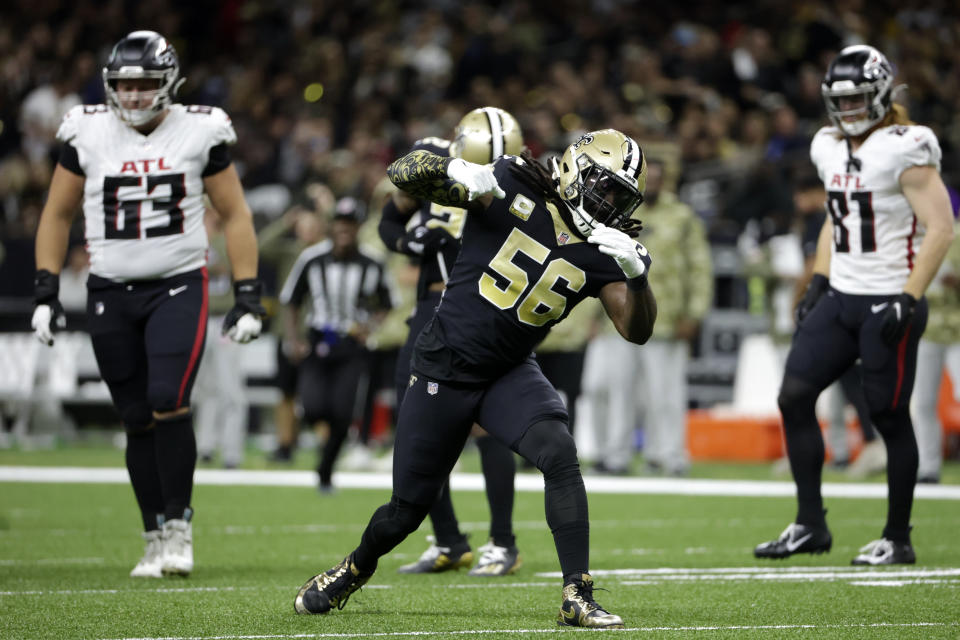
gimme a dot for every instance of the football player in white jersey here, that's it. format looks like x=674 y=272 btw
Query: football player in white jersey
x=141 y=167
x=888 y=229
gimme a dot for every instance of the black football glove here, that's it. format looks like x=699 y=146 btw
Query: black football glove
x=48 y=313
x=422 y=239
x=897 y=318
x=244 y=321
x=817 y=287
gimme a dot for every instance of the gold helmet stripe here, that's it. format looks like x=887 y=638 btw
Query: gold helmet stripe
x=496 y=133
x=634 y=160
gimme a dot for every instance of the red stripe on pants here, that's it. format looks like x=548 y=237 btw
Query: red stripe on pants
x=197 y=341
x=901 y=356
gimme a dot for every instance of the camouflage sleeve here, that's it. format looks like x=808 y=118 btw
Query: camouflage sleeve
x=424 y=175
x=700 y=265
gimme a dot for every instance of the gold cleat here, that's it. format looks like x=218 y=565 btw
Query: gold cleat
x=579 y=609
x=330 y=589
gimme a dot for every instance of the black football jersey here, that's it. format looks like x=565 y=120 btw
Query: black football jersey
x=520 y=270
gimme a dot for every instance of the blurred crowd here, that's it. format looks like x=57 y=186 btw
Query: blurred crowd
x=331 y=92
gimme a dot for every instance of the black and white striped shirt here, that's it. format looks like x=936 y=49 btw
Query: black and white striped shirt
x=343 y=291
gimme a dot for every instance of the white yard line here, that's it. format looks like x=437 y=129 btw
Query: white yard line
x=474 y=482
x=865 y=576
x=485 y=632
x=12 y=562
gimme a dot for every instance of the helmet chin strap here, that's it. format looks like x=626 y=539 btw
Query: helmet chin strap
x=852 y=160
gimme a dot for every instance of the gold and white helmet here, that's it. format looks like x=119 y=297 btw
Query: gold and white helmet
x=485 y=134
x=601 y=177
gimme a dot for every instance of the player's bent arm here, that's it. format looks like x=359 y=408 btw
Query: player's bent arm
x=633 y=312
x=423 y=175
x=821 y=261
x=226 y=196
x=924 y=190
x=53 y=232
x=397 y=211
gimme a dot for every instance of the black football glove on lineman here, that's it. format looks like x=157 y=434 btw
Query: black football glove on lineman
x=48 y=314
x=817 y=287
x=897 y=318
x=422 y=239
x=243 y=323
x=631 y=256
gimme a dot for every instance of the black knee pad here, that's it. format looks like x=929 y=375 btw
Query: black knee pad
x=891 y=421
x=549 y=445
x=137 y=419
x=163 y=397
x=796 y=397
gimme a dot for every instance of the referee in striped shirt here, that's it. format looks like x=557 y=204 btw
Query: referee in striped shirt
x=348 y=293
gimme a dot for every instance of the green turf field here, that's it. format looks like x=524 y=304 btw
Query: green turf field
x=672 y=566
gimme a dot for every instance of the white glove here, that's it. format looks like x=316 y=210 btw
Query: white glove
x=477 y=178
x=41 y=323
x=246 y=328
x=629 y=254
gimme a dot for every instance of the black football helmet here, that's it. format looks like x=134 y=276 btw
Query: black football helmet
x=142 y=54
x=859 y=70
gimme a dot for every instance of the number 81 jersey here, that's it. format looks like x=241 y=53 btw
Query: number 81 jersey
x=875 y=232
x=143 y=194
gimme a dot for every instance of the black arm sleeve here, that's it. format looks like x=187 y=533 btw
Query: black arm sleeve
x=392 y=225
x=218 y=160
x=69 y=159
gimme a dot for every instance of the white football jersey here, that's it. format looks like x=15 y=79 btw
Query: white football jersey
x=875 y=232
x=143 y=194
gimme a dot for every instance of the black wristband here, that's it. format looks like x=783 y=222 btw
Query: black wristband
x=638 y=284
x=819 y=282
x=248 y=290
x=46 y=286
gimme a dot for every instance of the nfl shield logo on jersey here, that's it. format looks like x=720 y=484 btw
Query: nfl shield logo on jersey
x=562 y=238
x=98 y=308
x=432 y=388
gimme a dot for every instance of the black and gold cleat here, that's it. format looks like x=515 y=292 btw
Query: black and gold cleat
x=579 y=609
x=330 y=589
x=437 y=559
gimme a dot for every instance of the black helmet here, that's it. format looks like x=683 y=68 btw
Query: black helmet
x=142 y=54
x=859 y=70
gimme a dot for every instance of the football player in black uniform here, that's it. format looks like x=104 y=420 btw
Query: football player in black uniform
x=430 y=233
x=534 y=245
x=141 y=166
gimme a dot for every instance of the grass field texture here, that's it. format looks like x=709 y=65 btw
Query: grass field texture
x=671 y=566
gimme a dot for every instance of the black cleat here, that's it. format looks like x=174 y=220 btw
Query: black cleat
x=330 y=589
x=796 y=538
x=884 y=551
x=579 y=609
x=437 y=559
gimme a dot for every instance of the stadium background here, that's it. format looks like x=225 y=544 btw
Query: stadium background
x=332 y=92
